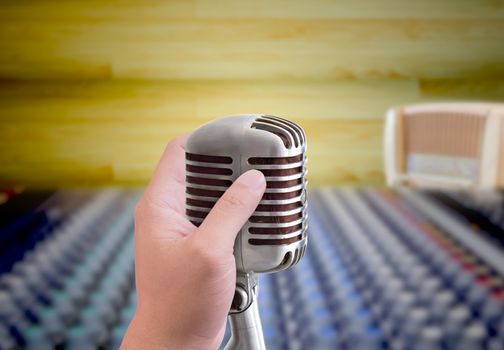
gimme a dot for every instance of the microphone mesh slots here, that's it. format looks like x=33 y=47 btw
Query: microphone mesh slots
x=207 y=179
x=280 y=217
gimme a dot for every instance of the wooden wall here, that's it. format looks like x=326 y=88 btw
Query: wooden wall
x=90 y=91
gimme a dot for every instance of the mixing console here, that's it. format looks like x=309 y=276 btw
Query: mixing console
x=383 y=270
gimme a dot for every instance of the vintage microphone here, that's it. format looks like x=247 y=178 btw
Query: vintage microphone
x=274 y=237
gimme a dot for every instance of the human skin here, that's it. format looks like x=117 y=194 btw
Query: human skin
x=185 y=275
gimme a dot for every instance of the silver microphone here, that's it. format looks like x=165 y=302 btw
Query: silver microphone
x=274 y=238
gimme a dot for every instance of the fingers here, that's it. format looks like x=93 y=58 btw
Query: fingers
x=167 y=186
x=220 y=227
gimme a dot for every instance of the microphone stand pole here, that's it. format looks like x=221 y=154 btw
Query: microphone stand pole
x=244 y=319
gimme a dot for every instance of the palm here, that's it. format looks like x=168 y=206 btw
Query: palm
x=163 y=241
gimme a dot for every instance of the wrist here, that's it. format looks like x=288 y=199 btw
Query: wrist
x=145 y=333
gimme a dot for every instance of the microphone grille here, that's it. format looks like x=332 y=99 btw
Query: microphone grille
x=282 y=209
x=207 y=178
x=277 y=228
x=291 y=134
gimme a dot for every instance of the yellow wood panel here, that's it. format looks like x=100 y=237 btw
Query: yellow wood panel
x=489 y=89
x=124 y=101
x=65 y=132
x=42 y=153
x=169 y=9
x=72 y=133
x=90 y=91
x=251 y=48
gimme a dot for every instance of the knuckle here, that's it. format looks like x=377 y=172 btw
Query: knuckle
x=232 y=200
x=172 y=144
x=143 y=209
x=208 y=259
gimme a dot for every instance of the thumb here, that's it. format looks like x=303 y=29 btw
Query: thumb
x=219 y=229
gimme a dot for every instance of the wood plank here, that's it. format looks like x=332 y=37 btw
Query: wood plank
x=352 y=9
x=340 y=151
x=118 y=78
x=103 y=132
x=124 y=101
x=113 y=132
x=135 y=48
x=479 y=89
x=163 y=9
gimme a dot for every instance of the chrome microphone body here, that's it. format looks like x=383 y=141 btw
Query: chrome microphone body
x=274 y=238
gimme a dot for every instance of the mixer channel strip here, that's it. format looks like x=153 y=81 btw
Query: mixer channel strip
x=383 y=270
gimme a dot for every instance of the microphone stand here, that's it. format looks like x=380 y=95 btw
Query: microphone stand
x=244 y=319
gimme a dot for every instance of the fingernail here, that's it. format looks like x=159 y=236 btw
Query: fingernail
x=254 y=180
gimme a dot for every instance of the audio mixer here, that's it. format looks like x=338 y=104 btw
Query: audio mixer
x=384 y=269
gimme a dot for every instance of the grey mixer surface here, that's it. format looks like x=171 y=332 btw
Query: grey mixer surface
x=383 y=270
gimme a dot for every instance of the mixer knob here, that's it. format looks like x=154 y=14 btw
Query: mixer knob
x=473 y=337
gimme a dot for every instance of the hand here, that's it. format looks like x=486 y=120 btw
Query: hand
x=185 y=275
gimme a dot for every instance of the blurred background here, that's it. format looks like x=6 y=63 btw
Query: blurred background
x=91 y=91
